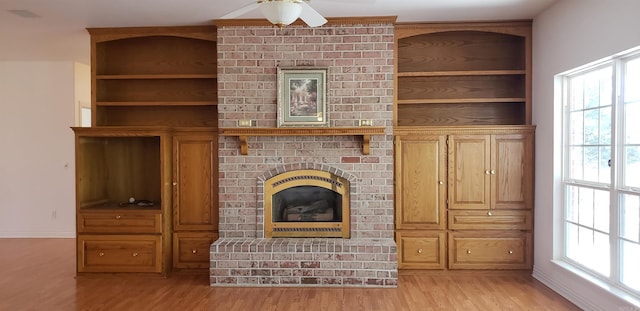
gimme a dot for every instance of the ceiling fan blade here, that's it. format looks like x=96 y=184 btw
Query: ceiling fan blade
x=241 y=11
x=310 y=16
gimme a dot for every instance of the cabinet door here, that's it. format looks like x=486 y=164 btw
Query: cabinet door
x=512 y=171
x=469 y=171
x=195 y=182
x=420 y=182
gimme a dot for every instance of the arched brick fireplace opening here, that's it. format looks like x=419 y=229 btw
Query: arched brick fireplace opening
x=307 y=203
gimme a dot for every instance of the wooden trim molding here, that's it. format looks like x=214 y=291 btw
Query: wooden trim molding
x=204 y=32
x=244 y=133
x=462 y=130
x=331 y=21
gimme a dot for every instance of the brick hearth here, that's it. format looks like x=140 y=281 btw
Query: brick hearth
x=360 y=86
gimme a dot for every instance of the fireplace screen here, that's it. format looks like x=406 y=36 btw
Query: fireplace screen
x=307 y=203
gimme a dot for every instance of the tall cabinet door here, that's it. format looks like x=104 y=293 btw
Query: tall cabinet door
x=469 y=172
x=512 y=171
x=195 y=182
x=420 y=182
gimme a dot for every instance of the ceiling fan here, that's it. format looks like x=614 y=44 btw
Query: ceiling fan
x=282 y=12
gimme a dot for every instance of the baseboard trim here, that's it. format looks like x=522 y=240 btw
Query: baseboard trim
x=36 y=235
x=585 y=300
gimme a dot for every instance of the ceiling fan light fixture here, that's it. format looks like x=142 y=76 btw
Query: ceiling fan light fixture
x=281 y=12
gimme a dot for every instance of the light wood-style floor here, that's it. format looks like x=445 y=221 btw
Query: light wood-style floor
x=39 y=274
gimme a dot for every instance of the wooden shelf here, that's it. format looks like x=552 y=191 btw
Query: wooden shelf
x=158 y=103
x=460 y=73
x=156 y=76
x=244 y=133
x=459 y=100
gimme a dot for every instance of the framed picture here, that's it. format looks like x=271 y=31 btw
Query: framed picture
x=302 y=97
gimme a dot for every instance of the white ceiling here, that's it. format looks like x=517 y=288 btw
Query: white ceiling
x=59 y=31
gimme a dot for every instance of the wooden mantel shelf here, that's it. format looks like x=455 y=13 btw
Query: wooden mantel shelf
x=244 y=132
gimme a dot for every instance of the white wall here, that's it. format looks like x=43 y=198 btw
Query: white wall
x=82 y=90
x=567 y=35
x=37 y=193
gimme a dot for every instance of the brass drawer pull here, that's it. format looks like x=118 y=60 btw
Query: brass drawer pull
x=118 y=217
x=510 y=252
x=420 y=251
x=135 y=254
x=468 y=251
x=194 y=251
x=101 y=254
x=489 y=214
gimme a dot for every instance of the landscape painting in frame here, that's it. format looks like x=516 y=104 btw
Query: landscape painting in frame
x=302 y=97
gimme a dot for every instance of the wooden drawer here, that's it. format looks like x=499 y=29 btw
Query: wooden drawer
x=488 y=220
x=119 y=222
x=120 y=253
x=191 y=249
x=498 y=250
x=421 y=249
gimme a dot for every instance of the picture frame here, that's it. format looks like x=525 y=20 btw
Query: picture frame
x=302 y=97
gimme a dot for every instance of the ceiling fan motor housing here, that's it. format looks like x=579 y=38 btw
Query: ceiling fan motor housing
x=281 y=12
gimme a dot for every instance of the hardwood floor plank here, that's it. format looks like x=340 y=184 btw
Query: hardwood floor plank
x=39 y=274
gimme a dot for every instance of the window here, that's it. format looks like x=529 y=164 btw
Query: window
x=601 y=171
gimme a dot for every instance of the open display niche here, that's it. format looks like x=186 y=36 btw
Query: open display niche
x=112 y=170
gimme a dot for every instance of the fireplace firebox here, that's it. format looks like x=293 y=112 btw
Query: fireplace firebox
x=306 y=203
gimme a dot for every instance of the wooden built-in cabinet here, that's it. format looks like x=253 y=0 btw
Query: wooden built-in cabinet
x=475 y=188
x=464 y=145
x=153 y=141
x=112 y=167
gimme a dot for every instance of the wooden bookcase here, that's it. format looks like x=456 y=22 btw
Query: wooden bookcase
x=464 y=145
x=451 y=74
x=154 y=139
x=154 y=76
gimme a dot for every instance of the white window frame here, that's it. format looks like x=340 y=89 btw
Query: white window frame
x=615 y=187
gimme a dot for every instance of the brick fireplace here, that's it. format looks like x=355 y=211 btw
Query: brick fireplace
x=359 y=55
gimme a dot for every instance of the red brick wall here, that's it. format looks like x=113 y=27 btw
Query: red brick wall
x=360 y=86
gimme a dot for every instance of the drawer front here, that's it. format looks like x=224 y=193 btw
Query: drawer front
x=120 y=253
x=485 y=251
x=421 y=249
x=191 y=250
x=490 y=220
x=119 y=222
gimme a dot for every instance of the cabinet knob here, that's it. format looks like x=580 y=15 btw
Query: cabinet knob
x=493 y=172
x=441 y=182
x=175 y=183
x=420 y=251
x=135 y=254
x=487 y=172
x=468 y=251
x=101 y=254
x=194 y=251
x=489 y=214
x=510 y=252
x=118 y=217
